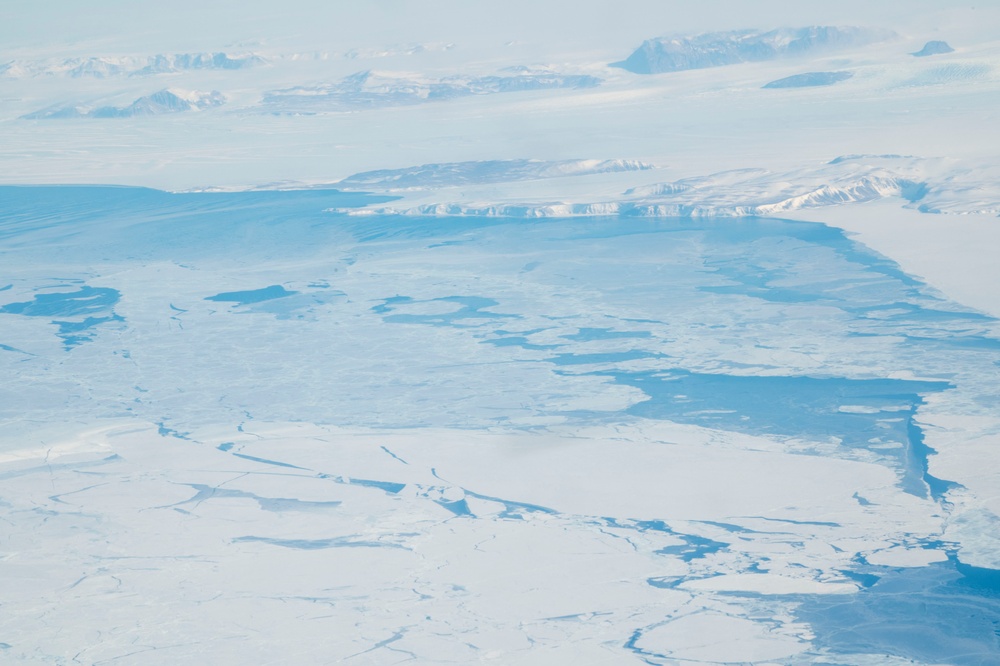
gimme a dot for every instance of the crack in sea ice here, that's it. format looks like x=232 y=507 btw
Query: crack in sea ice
x=352 y=541
x=275 y=504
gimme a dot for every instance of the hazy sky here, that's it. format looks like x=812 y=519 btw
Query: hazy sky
x=187 y=24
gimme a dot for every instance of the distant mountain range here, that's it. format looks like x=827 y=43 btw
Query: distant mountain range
x=158 y=103
x=110 y=66
x=369 y=89
x=713 y=49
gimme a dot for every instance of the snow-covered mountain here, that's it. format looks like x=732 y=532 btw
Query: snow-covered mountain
x=102 y=67
x=672 y=54
x=163 y=101
x=934 y=47
x=370 y=89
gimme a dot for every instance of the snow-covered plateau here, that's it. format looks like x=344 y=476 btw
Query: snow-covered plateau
x=451 y=332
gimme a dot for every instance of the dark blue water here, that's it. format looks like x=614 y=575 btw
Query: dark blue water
x=84 y=301
x=693 y=547
x=940 y=614
x=88 y=307
x=464 y=308
x=795 y=407
x=252 y=295
x=591 y=334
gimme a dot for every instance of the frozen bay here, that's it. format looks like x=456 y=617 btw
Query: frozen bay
x=243 y=426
